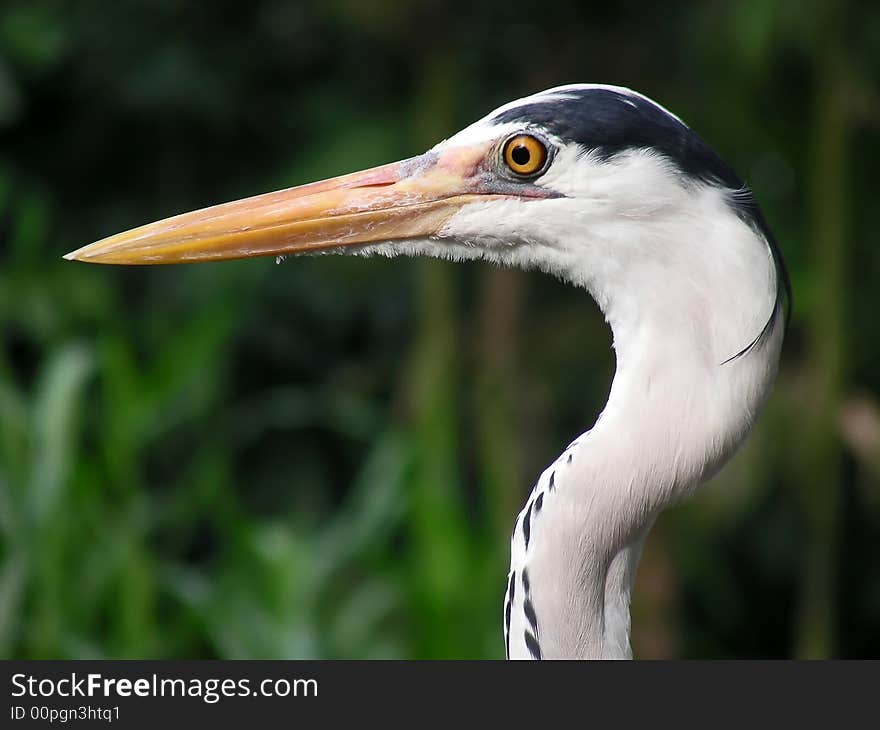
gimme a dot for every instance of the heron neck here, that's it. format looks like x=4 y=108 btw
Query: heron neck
x=609 y=486
x=674 y=415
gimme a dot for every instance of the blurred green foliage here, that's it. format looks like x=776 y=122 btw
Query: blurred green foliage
x=323 y=459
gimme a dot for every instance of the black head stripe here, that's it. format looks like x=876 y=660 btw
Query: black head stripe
x=608 y=122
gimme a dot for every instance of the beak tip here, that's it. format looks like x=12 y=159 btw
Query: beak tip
x=81 y=254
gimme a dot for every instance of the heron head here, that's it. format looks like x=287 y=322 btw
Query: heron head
x=596 y=184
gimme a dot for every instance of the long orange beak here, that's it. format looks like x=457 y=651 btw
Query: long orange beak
x=403 y=200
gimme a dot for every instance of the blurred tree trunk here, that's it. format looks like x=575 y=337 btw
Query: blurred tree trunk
x=819 y=473
x=656 y=599
x=437 y=521
x=496 y=400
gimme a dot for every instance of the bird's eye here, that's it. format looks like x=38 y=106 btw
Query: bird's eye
x=524 y=154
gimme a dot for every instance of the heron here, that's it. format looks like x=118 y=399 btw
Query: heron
x=610 y=192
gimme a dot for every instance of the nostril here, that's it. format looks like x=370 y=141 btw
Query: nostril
x=382 y=184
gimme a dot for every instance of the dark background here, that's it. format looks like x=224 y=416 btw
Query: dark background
x=323 y=459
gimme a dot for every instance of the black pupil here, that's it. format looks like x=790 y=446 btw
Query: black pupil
x=520 y=155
